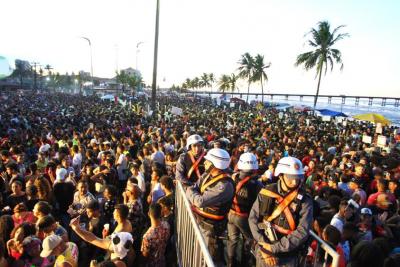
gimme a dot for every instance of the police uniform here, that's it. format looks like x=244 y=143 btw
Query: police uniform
x=289 y=215
x=211 y=199
x=246 y=190
x=189 y=168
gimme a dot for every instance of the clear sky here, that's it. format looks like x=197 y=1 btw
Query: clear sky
x=209 y=36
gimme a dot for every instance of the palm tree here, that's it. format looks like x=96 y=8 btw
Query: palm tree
x=195 y=83
x=204 y=81
x=322 y=42
x=224 y=83
x=259 y=74
x=246 y=70
x=211 y=79
x=232 y=83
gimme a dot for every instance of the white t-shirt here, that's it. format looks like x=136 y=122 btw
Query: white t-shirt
x=337 y=222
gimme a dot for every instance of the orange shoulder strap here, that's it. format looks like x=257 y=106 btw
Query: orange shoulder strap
x=238 y=187
x=212 y=181
x=195 y=164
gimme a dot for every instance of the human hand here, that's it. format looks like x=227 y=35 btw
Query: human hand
x=75 y=223
x=269 y=260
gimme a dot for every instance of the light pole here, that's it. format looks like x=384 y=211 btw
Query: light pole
x=154 y=85
x=91 y=59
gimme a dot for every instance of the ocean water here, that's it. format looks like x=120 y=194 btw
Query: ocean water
x=349 y=108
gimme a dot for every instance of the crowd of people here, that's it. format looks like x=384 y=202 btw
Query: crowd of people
x=86 y=182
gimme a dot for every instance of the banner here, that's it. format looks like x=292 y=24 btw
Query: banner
x=367 y=139
x=326 y=118
x=381 y=141
x=176 y=111
x=378 y=128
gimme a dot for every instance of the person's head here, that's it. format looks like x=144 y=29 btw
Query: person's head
x=167 y=206
x=393 y=185
x=216 y=159
x=82 y=187
x=41 y=209
x=20 y=208
x=31 y=245
x=121 y=212
x=133 y=191
x=359 y=170
x=366 y=254
x=332 y=235
x=345 y=209
x=110 y=192
x=93 y=209
x=53 y=245
x=355 y=183
x=16 y=187
x=247 y=162
x=194 y=143
x=382 y=185
x=333 y=181
x=12 y=168
x=31 y=191
x=167 y=183
x=47 y=224
x=23 y=230
x=156 y=174
x=155 y=211
x=290 y=171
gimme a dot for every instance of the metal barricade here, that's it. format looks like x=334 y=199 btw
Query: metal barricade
x=328 y=251
x=190 y=246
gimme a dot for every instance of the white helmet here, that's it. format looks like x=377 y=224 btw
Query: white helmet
x=292 y=167
x=247 y=161
x=219 y=158
x=193 y=139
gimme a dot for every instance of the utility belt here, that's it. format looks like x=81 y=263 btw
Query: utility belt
x=298 y=252
x=215 y=227
x=240 y=214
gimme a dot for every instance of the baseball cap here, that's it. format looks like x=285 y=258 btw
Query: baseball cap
x=356 y=180
x=50 y=243
x=366 y=211
x=292 y=167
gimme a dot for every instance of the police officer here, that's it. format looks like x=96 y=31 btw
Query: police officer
x=281 y=217
x=211 y=198
x=246 y=191
x=190 y=165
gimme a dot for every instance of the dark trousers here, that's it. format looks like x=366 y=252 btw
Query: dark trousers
x=237 y=225
x=212 y=233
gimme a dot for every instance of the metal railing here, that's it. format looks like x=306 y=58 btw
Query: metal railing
x=328 y=251
x=191 y=248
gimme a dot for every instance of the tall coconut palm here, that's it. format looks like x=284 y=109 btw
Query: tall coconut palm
x=204 y=81
x=211 y=79
x=259 y=74
x=224 y=83
x=195 y=83
x=246 y=70
x=323 y=54
x=232 y=83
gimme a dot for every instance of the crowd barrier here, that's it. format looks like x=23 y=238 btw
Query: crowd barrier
x=190 y=246
x=192 y=250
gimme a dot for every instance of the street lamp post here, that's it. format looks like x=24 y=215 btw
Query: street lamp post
x=91 y=58
x=154 y=85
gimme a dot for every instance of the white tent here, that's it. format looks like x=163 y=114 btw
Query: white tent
x=107 y=97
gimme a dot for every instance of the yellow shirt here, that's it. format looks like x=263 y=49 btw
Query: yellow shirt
x=69 y=255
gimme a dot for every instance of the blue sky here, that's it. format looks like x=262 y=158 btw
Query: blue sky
x=209 y=36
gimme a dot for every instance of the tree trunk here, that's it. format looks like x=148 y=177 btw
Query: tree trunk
x=262 y=91
x=319 y=83
x=248 y=91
